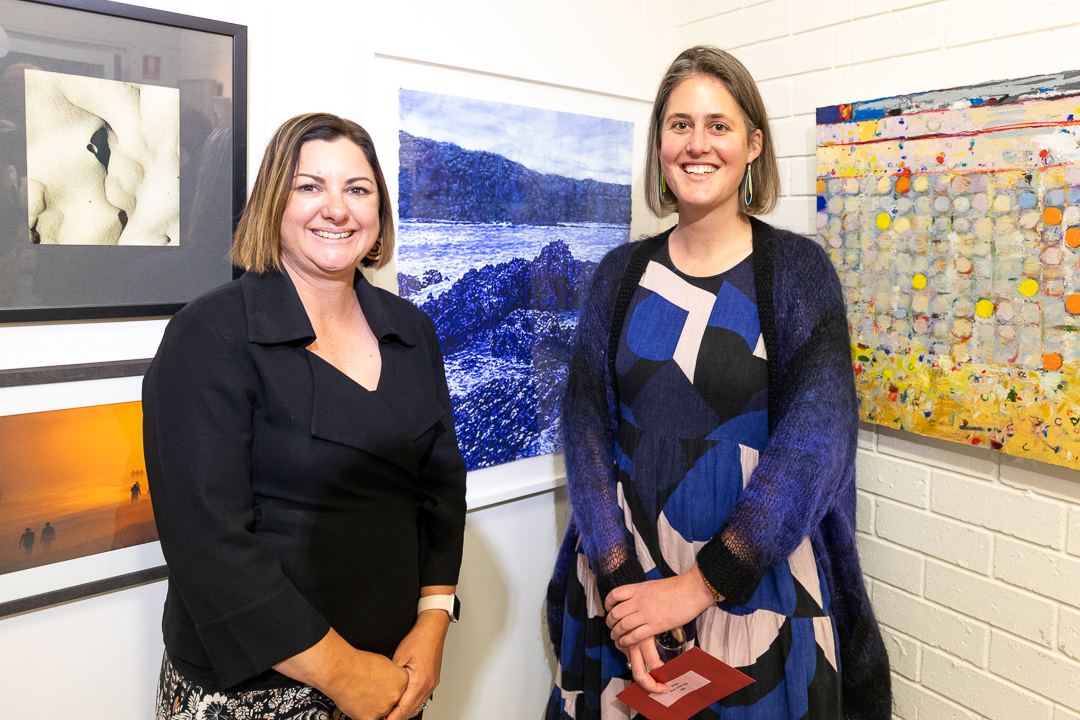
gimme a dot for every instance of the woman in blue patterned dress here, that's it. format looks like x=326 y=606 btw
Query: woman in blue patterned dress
x=710 y=425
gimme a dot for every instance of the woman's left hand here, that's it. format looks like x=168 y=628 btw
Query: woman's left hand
x=420 y=653
x=642 y=610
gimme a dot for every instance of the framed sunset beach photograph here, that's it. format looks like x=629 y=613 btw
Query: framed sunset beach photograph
x=76 y=517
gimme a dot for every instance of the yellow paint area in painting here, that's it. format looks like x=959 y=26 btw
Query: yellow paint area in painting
x=918 y=281
x=1029 y=287
x=883 y=221
x=1028 y=413
x=984 y=308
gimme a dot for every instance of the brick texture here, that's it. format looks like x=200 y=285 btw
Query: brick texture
x=993 y=602
x=687 y=11
x=885 y=476
x=1074 y=531
x=984 y=693
x=766 y=21
x=891 y=564
x=932 y=624
x=972 y=20
x=934 y=535
x=922 y=29
x=1041 y=571
x=864 y=513
x=814 y=15
x=1046 y=673
x=1068 y=640
x=914 y=702
x=995 y=507
x=903 y=654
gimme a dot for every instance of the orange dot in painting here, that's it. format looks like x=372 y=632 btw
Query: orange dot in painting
x=903 y=184
x=1072 y=237
x=1052 y=216
x=1051 y=361
x=821 y=186
x=1029 y=287
x=1072 y=304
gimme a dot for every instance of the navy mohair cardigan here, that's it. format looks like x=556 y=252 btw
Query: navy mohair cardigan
x=804 y=484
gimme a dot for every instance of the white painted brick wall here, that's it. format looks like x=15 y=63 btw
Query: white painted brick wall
x=1069 y=633
x=903 y=481
x=904 y=654
x=932 y=624
x=1074 y=531
x=1022 y=613
x=911 y=702
x=892 y=564
x=1063 y=714
x=1012 y=512
x=1044 y=571
x=957 y=543
x=972 y=558
x=1044 y=672
x=989 y=695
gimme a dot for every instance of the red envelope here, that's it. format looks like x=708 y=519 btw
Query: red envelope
x=712 y=678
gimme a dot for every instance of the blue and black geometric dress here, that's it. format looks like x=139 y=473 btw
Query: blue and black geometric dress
x=693 y=420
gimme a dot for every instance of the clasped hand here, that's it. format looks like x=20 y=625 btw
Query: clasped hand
x=637 y=613
x=420 y=653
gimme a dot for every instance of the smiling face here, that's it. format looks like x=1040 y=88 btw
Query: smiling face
x=331 y=219
x=705 y=147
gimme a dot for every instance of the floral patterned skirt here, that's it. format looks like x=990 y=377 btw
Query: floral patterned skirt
x=179 y=699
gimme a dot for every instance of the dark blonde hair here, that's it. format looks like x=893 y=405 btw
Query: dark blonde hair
x=715 y=63
x=257 y=242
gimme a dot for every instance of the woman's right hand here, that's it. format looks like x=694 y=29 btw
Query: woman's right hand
x=644 y=659
x=374 y=691
x=364 y=685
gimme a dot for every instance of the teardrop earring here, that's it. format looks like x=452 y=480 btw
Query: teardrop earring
x=748 y=187
x=663 y=186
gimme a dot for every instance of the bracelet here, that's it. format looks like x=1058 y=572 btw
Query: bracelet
x=717 y=597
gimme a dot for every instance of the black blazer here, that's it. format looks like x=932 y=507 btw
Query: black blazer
x=288 y=498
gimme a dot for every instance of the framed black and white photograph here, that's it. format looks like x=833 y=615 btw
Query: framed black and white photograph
x=122 y=158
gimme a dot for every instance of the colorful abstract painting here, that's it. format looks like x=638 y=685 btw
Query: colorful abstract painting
x=504 y=211
x=953 y=219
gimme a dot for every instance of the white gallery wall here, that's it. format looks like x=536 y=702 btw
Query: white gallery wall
x=972 y=557
x=99 y=658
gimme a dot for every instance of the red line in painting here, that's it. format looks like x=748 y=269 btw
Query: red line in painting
x=964 y=133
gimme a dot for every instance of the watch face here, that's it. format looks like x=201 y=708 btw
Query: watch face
x=456 y=615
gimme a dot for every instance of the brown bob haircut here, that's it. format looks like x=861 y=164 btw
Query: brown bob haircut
x=719 y=65
x=257 y=243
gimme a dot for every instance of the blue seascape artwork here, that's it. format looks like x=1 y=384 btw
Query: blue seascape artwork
x=504 y=211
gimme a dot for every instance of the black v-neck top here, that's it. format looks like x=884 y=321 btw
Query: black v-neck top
x=289 y=499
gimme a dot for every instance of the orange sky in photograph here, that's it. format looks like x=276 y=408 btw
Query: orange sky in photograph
x=80 y=457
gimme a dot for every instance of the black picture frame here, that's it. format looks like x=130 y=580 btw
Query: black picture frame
x=83 y=591
x=90 y=583
x=81 y=282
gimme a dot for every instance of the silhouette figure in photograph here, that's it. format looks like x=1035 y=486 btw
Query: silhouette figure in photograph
x=136 y=490
x=48 y=534
x=27 y=541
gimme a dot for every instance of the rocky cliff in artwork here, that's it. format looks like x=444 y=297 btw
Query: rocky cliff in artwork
x=466 y=314
x=442 y=181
